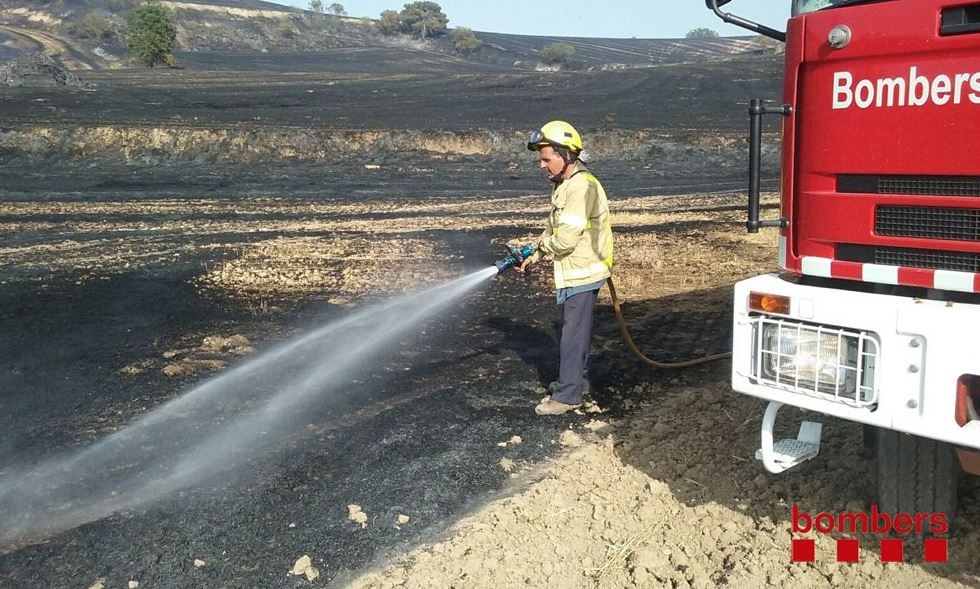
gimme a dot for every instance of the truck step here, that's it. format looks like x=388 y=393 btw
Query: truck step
x=787 y=453
x=794 y=451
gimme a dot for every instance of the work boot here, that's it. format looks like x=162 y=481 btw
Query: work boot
x=552 y=407
x=586 y=387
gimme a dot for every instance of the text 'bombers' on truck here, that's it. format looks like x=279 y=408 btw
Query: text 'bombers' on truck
x=875 y=316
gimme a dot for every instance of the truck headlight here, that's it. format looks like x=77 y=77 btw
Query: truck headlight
x=810 y=358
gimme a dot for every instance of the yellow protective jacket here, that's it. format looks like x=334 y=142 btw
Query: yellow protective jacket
x=580 y=235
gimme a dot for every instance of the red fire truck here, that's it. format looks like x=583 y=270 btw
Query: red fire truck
x=875 y=315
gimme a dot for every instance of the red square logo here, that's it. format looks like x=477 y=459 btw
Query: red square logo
x=804 y=550
x=847 y=550
x=892 y=550
x=936 y=550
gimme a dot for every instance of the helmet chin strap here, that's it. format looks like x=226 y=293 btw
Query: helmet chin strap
x=557 y=178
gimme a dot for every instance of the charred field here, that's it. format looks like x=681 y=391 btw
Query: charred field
x=161 y=229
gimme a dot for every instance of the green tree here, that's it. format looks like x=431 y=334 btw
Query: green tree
x=424 y=19
x=557 y=53
x=151 y=35
x=464 y=40
x=389 y=23
x=701 y=33
x=338 y=9
x=316 y=6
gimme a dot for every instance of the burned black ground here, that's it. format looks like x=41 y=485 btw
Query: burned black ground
x=421 y=438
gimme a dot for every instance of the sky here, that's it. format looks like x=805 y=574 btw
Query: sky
x=643 y=19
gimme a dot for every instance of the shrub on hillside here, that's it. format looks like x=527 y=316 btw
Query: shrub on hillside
x=702 y=33
x=557 y=53
x=287 y=29
x=464 y=41
x=389 y=23
x=95 y=26
x=92 y=26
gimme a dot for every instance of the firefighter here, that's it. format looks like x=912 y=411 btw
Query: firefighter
x=578 y=237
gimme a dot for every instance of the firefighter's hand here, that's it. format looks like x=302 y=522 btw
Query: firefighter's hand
x=524 y=265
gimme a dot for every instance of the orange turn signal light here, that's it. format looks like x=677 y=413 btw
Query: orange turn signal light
x=769 y=303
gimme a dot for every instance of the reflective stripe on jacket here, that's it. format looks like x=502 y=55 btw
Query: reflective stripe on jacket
x=580 y=240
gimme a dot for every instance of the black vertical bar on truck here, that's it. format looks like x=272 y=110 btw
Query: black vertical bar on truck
x=757 y=109
x=755 y=163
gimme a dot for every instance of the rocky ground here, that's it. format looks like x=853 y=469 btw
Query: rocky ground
x=669 y=497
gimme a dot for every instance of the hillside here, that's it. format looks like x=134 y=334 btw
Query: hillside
x=213 y=34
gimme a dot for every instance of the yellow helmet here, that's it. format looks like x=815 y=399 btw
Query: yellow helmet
x=556 y=134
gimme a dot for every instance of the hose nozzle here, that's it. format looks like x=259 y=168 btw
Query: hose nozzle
x=514 y=256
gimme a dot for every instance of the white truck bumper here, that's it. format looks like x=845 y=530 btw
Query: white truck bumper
x=897 y=364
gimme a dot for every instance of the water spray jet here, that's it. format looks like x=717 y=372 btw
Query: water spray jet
x=214 y=427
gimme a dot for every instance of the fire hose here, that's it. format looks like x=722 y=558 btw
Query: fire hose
x=515 y=256
x=621 y=320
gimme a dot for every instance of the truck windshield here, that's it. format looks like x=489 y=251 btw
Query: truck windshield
x=804 y=6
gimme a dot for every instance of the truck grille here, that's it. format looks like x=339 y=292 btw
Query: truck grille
x=928 y=222
x=909 y=257
x=916 y=185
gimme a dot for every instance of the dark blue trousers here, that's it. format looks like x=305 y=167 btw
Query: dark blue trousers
x=575 y=315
